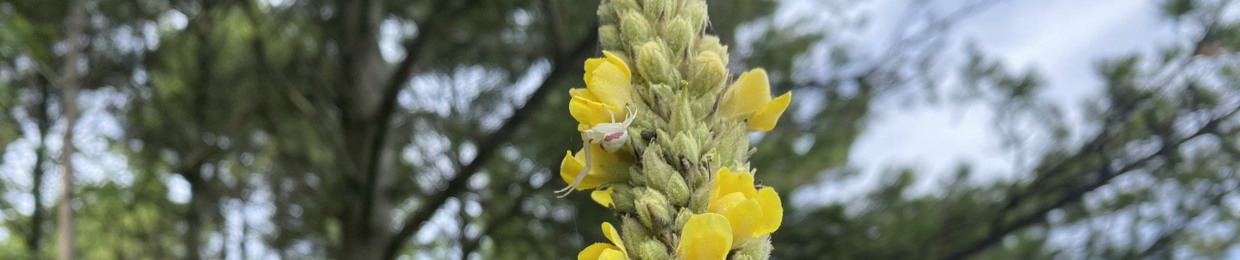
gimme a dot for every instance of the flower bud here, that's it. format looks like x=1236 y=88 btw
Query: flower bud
x=711 y=43
x=654 y=210
x=656 y=170
x=757 y=248
x=624 y=6
x=677 y=34
x=653 y=64
x=606 y=14
x=682 y=119
x=663 y=177
x=677 y=191
x=652 y=249
x=695 y=12
x=683 y=217
x=635 y=177
x=633 y=233
x=733 y=144
x=663 y=94
x=622 y=197
x=635 y=27
x=702 y=130
x=687 y=145
x=708 y=75
x=700 y=198
x=609 y=37
x=653 y=9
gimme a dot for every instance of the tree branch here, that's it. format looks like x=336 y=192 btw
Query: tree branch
x=566 y=62
x=388 y=108
x=998 y=232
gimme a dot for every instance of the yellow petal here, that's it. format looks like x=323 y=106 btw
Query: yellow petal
x=583 y=93
x=616 y=61
x=602 y=197
x=612 y=254
x=588 y=112
x=750 y=92
x=772 y=211
x=766 y=118
x=610 y=81
x=705 y=237
x=569 y=167
x=744 y=217
x=613 y=236
x=599 y=174
x=727 y=181
x=595 y=251
x=592 y=64
x=726 y=202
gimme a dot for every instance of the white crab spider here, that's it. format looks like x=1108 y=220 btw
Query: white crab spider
x=611 y=136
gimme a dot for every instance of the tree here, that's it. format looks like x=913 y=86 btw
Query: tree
x=1146 y=182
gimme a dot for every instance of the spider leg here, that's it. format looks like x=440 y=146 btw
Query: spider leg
x=581 y=175
x=630 y=118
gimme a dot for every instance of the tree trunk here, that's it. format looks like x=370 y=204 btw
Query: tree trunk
x=69 y=81
x=40 y=155
x=365 y=215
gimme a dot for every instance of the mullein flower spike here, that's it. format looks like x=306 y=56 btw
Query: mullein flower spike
x=672 y=188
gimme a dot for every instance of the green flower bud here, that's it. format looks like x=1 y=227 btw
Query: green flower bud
x=656 y=170
x=757 y=248
x=652 y=249
x=606 y=15
x=624 y=6
x=733 y=144
x=677 y=191
x=635 y=176
x=622 y=197
x=663 y=138
x=653 y=64
x=654 y=210
x=677 y=34
x=701 y=196
x=711 y=43
x=683 y=217
x=663 y=177
x=682 y=116
x=703 y=130
x=685 y=144
x=653 y=9
x=609 y=37
x=709 y=73
x=633 y=233
x=695 y=12
x=664 y=94
x=635 y=27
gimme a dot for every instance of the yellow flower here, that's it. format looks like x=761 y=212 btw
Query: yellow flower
x=604 y=251
x=605 y=167
x=705 y=237
x=602 y=196
x=750 y=98
x=750 y=212
x=608 y=89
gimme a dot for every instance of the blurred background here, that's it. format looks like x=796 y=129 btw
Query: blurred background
x=433 y=129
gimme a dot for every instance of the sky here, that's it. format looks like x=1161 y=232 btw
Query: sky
x=1062 y=40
